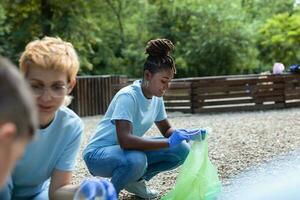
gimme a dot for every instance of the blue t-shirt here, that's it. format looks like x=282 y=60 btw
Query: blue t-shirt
x=54 y=148
x=128 y=104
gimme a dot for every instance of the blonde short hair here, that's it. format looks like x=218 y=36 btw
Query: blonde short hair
x=51 y=53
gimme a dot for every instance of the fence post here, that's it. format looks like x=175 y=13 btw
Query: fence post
x=92 y=94
x=194 y=96
x=282 y=91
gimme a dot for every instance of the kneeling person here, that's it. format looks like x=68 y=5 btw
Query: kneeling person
x=118 y=149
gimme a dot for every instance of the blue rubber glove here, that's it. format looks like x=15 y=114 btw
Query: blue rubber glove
x=177 y=136
x=96 y=187
x=111 y=193
x=198 y=135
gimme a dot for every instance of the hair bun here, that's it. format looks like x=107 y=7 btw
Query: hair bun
x=159 y=47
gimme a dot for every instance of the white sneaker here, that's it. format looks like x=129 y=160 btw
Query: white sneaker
x=139 y=189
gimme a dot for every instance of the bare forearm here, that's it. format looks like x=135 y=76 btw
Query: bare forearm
x=168 y=132
x=129 y=141
x=140 y=143
x=165 y=128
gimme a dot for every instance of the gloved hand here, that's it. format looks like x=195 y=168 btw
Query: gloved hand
x=177 y=136
x=111 y=193
x=198 y=134
x=96 y=187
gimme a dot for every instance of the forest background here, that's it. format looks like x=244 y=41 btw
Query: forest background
x=212 y=37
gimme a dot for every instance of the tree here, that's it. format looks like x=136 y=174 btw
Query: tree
x=34 y=19
x=212 y=37
x=4 y=29
x=280 y=39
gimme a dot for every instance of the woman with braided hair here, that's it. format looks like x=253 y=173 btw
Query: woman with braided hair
x=118 y=148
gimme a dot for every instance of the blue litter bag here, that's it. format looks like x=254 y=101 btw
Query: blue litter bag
x=198 y=178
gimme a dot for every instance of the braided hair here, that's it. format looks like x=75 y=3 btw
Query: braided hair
x=159 y=58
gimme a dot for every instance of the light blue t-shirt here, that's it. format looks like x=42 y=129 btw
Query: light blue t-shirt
x=54 y=148
x=128 y=104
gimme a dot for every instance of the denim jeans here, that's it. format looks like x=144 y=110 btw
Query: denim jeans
x=127 y=166
x=6 y=193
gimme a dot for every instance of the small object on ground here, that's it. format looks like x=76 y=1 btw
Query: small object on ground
x=278 y=68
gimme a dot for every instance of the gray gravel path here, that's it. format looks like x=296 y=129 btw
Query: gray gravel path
x=237 y=142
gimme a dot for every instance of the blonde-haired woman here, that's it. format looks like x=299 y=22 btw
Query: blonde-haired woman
x=50 y=66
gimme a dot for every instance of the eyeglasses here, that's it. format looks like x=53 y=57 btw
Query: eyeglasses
x=54 y=91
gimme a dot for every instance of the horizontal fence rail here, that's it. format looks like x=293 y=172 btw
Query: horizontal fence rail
x=198 y=95
x=232 y=93
x=92 y=94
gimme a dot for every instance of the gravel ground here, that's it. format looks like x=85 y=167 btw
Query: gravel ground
x=237 y=142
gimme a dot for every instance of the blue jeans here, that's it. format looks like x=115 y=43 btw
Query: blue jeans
x=127 y=166
x=6 y=193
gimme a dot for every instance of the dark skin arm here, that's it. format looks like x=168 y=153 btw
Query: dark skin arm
x=165 y=128
x=129 y=141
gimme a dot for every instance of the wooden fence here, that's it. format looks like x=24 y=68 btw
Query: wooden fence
x=198 y=95
x=232 y=93
x=92 y=94
x=243 y=92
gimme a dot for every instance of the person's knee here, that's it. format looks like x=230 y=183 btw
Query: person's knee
x=182 y=151
x=136 y=163
x=86 y=158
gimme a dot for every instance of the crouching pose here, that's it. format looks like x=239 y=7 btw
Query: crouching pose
x=118 y=150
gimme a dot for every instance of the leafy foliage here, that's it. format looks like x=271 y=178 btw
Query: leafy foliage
x=4 y=28
x=280 y=39
x=212 y=37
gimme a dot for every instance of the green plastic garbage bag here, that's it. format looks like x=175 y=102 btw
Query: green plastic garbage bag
x=198 y=178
